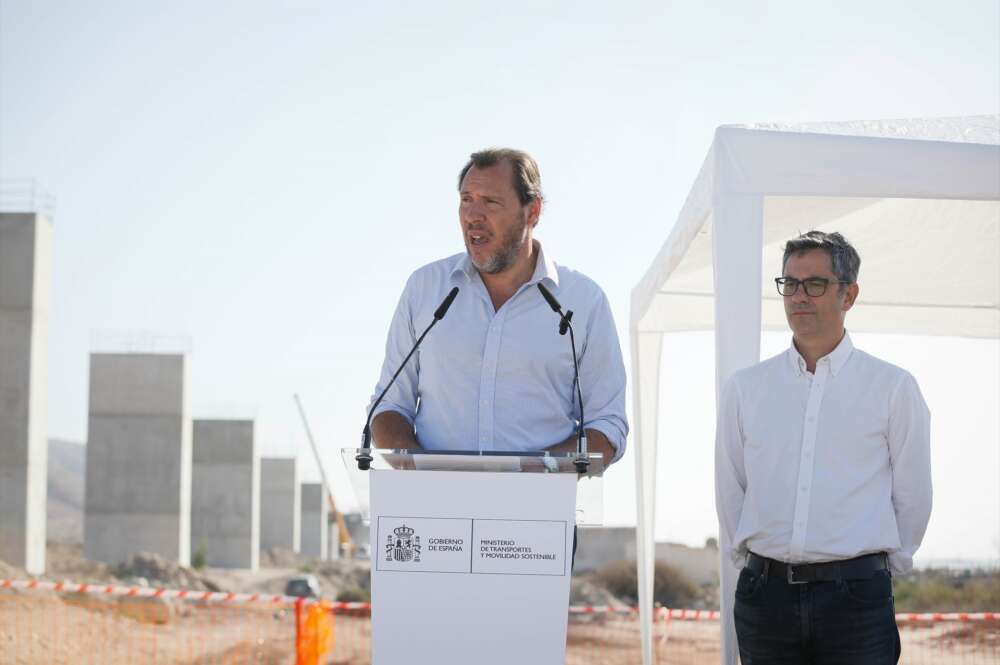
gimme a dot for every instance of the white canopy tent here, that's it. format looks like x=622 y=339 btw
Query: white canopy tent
x=919 y=199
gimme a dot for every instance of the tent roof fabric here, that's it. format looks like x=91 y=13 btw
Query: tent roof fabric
x=983 y=129
x=893 y=188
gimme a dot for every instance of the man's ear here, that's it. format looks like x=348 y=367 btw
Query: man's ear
x=851 y=296
x=534 y=212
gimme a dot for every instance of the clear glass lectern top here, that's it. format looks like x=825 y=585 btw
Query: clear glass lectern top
x=590 y=486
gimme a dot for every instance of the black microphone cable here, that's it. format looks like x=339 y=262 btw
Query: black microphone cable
x=582 y=462
x=364 y=458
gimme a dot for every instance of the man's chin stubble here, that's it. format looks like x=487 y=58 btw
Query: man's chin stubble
x=497 y=262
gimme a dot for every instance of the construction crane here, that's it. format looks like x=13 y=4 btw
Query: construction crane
x=346 y=542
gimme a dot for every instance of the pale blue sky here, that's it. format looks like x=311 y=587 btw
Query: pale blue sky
x=262 y=177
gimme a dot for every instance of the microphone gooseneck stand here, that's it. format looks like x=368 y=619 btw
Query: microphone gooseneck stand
x=364 y=457
x=582 y=462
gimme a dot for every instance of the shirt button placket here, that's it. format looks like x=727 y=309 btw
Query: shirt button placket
x=487 y=382
x=806 y=461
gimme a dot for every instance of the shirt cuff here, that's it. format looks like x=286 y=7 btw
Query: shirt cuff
x=612 y=434
x=900 y=562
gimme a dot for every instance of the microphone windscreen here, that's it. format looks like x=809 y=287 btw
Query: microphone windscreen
x=445 y=304
x=549 y=298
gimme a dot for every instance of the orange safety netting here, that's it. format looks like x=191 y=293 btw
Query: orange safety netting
x=313 y=632
x=44 y=623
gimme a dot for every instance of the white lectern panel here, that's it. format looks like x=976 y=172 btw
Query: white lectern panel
x=470 y=567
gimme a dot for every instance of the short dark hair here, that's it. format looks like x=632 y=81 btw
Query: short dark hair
x=527 y=180
x=844 y=258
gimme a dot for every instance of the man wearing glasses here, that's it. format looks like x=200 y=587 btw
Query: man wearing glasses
x=823 y=481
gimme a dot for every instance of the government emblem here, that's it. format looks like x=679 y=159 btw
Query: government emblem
x=402 y=545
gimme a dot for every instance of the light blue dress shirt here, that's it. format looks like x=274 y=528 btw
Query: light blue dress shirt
x=488 y=379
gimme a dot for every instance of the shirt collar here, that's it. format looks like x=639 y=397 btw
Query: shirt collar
x=545 y=268
x=836 y=358
x=463 y=266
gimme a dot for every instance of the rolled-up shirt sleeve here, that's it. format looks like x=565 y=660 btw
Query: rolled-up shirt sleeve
x=602 y=379
x=910 y=457
x=402 y=396
x=730 y=471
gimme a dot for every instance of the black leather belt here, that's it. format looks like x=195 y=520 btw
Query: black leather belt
x=858 y=568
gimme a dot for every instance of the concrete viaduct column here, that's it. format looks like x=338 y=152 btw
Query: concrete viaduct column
x=315 y=519
x=279 y=503
x=225 y=493
x=332 y=541
x=138 y=493
x=25 y=268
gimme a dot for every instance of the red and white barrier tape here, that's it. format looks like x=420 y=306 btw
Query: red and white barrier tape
x=153 y=592
x=601 y=609
x=688 y=615
x=662 y=613
x=671 y=614
x=935 y=617
x=905 y=617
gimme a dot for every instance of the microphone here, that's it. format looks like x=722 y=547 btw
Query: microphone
x=582 y=462
x=551 y=299
x=364 y=458
x=554 y=304
x=443 y=307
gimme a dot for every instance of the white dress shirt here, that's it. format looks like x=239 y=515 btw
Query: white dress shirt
x=824 y=466
x=488 y=379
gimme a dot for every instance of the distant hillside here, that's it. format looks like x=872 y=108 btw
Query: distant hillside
x=67 y=473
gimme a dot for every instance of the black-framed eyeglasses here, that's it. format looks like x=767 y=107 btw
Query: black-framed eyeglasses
x=814 y=286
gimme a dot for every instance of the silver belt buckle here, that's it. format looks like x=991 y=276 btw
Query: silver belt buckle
x=791 y=578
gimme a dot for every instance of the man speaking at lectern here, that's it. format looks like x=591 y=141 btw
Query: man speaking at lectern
x=495 y=374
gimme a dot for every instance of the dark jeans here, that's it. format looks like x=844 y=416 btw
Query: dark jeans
x=847 y=622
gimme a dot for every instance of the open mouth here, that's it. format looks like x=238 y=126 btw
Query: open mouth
x=477 y=239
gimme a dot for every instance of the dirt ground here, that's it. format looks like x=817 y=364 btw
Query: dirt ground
x=698 y=643
x=41 y=628
x=614 y=640
x=951 y=644
x=44 y=628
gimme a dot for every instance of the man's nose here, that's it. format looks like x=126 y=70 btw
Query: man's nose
x=800 y=295
x=472 y=211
